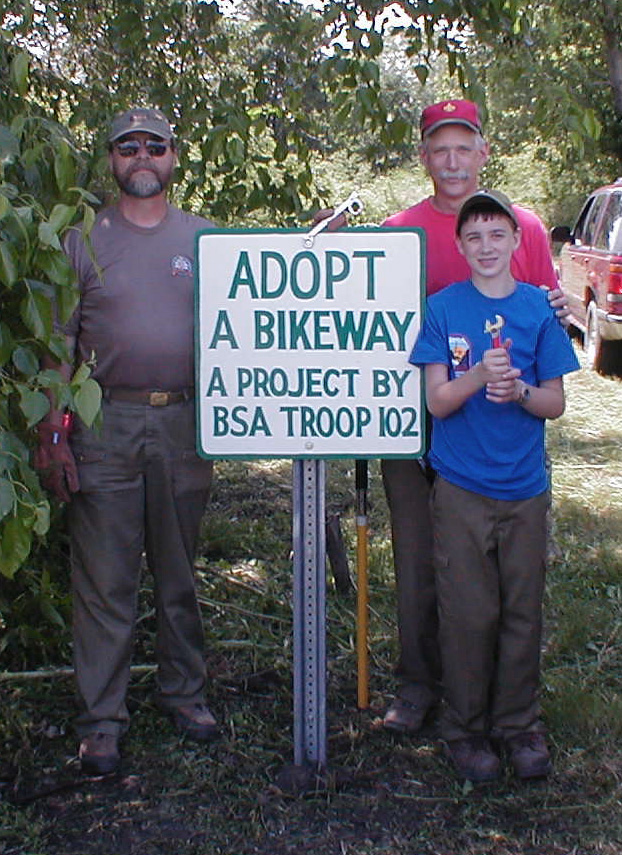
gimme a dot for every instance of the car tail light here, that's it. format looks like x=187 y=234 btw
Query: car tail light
x=614 y=287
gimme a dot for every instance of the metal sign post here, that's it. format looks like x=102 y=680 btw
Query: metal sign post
x=309 y=613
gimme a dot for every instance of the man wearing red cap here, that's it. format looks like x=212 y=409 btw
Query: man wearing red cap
x=453 y=151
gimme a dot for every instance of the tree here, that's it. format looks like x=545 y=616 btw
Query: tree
x=39 y=200
x=254 y=95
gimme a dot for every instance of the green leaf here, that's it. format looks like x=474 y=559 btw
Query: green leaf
x=61 y=216
x=9 y=145
x=15 y=538
x=5 y=206
x=33 y=404
x=25 y=361
x=8 y=264
x=88 y=220
x=81 y=374
x=6 y=343
x=48 y=235
x=64 y=171
x=56 y=266
x=52 y=614
x=88 y=400
x=19 y=73
x=36 y=312
x=42 y=518
x=7 y=497
x=85 y=195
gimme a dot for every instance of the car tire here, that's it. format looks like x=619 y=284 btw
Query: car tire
x=603 y=356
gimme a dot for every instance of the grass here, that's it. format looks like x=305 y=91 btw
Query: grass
x=384 y=796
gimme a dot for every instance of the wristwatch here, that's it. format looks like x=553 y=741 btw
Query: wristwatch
x=524 y=395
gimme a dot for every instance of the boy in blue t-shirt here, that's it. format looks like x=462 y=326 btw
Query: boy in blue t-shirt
x=494 y=355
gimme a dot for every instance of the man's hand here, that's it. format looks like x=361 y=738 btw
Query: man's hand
x=557 y=301
x=338 y=223
x=54 y=459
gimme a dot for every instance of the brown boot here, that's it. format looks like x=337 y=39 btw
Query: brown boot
x=195 y=721
x=529 y=755
x=99 y=753
x=474 y=758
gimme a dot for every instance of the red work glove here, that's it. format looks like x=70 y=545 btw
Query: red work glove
x=54 y=459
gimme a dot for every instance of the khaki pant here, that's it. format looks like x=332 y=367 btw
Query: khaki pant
x=407 y=488
x=490 y=567
x=142 y=489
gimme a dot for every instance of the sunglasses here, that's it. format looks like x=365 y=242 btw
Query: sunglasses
x=130 y=148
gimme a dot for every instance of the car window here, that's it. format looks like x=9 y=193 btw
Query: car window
x=610 y=233
x=586 y=225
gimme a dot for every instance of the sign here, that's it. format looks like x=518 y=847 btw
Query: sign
x=303 y=352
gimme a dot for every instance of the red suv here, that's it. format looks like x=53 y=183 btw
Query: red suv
x=590 y=270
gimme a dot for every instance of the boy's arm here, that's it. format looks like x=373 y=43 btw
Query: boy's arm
x=546 y=401
x=445 y=396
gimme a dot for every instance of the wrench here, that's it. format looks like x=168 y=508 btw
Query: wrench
x=352 y=205
x=494 y=328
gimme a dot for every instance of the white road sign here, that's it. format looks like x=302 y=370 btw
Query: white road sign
x=303 y=353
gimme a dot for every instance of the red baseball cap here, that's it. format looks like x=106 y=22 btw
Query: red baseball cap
x=454 y=112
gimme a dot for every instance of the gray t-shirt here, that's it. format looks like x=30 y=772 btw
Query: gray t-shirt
x=136 y=313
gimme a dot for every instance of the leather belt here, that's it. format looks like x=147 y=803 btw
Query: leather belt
x=155 y=398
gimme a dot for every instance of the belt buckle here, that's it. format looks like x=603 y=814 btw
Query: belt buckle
x=158 y=399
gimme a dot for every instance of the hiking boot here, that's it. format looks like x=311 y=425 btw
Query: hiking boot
x=99 y=753
x=474 y=758
x=195 y=721
x=529 y=755
x=408 y=711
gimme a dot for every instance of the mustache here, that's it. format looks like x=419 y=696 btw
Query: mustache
x=452 y=173
x=138 y=164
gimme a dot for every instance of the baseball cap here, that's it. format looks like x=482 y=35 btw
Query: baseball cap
x=140 y=119
x=454 y=112
x=486 y=201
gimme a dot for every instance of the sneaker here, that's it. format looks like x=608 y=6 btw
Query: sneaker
x=474 y=758
x=195 y=721
x=99 y=753
x=407 y=715
x=529 y=755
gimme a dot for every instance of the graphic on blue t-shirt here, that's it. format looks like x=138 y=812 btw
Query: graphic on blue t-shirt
x=460 y=349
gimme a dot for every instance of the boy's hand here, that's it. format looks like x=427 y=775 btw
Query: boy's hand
x=498 y=374
x=495 y=363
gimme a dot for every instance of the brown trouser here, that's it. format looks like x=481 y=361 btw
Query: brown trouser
x=489 y=558
x=142 y=488
x=408 y=494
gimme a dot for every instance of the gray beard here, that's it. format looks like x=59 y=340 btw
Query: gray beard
x=141 y=186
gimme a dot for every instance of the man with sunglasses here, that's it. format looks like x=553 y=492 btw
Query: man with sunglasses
x=137 y=486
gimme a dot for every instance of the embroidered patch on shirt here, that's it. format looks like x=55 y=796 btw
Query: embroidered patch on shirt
x=181 y=265
x=460 y=349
